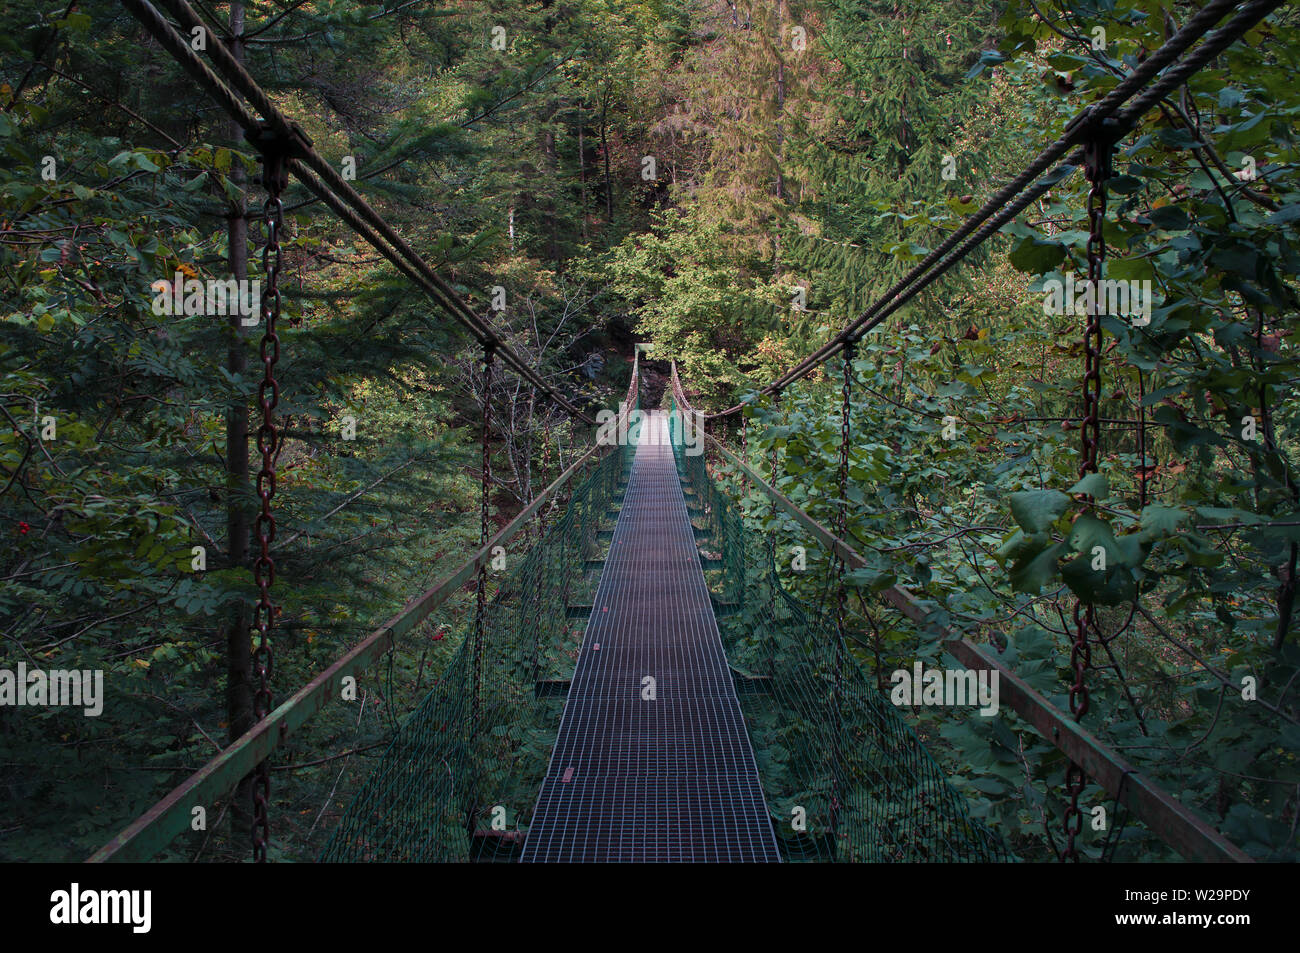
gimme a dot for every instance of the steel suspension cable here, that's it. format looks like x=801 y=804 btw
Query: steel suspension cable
x=394 y=247
x=1075 y=133
x=286 y=148
x=1021 y=192
x=1215 y=44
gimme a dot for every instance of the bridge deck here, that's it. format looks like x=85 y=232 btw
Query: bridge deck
x=668 y=779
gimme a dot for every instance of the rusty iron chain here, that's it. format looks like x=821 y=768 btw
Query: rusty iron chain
x=275 y=179
x=1097 y=166
x=485 y=492
x=772 y=454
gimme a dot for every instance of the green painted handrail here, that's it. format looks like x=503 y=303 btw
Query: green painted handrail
x=158 y=826
x=1169 y=819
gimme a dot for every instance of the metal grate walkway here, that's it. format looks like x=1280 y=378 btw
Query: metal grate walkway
x=668 y=779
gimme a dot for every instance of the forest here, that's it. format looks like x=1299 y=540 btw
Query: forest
x=1070 y=450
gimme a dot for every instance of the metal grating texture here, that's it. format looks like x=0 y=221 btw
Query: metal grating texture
x=668 y=778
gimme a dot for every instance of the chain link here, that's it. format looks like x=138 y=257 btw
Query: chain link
x=772 y=454
x=1097 y=165
x=268 y=441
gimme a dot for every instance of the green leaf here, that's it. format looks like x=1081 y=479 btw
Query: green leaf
x=1130 y=269
x=76 y=22
x=1177 y=138
x=1124 y=185
x=1036 y=257
x=1094 y=485
x=1230 y=96
x=1036 y=510
x=1285 y=215
x=1019 y=546
x=1200 y=551
x=1088 y=532
x=868 y=578
x=1227 y=515
x=1110 y=587
x=987 y=58
x=1171 y=218
x=1160 y=521
x=1237 y=257
x=1031 y=575
x=1133 y=550
x=233 y=192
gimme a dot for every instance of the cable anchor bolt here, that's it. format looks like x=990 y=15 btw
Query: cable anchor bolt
x=1099 y=151
x=277 y=146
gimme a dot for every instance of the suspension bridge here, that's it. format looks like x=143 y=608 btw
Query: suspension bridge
x=652 y=766
x=646 y=670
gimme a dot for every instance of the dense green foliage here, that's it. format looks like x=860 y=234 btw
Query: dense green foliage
x=802 y=157
x=1194 y=671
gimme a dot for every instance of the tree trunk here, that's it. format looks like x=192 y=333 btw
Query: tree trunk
x=604 y=147
x=1286 y=599
x=552 y=165
x=582 y=175
x=780 y=139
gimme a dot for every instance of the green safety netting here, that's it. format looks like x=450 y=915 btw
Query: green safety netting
x=845 y=775
x=444 y=773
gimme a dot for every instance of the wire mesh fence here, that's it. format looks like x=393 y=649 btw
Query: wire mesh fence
x=846 y=777
x=451 y=787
